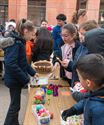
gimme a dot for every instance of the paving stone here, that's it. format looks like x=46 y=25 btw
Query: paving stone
x=5 y=100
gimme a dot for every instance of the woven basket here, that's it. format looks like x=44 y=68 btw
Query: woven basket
x=43 y=66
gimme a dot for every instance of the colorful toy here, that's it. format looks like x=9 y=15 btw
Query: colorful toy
x=78 y=87
x=44 y=89
x=41 y=114
x=38 y=107
x=39 y=97
x=73 y=120
x=49 y=93
x=55 y=90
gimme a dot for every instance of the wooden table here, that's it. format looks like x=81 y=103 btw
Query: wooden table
x=57 y=104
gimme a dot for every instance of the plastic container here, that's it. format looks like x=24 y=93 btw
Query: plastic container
x=42 y=81
x=39 y=81
x=41 y=120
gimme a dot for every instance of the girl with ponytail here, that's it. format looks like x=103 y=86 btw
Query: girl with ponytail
x=79 y=17
x=17 y=69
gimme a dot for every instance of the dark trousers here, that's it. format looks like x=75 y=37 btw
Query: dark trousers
x=13 y=111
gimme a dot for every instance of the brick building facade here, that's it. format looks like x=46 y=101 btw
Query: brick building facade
x=36 y=10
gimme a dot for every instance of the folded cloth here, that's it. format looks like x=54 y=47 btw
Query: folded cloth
x=5 y=42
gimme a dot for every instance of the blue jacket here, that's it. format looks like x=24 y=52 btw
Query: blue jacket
x=16 y=66
x=92 y=107
x=78 y=51
x=56 y=34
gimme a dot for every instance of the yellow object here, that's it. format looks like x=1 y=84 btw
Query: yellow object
x=1 y=53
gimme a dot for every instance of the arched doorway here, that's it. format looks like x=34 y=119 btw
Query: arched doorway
x=3 y=11
x=36 y=11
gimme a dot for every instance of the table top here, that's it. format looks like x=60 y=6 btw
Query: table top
x=63 y=101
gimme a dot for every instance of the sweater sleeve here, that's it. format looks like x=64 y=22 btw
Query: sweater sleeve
x=30 y=70
x=79 y=107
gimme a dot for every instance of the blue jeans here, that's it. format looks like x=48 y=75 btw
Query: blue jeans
x=13 y=111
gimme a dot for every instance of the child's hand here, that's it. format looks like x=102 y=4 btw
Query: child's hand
x=58 y=59
x=69 y=112
x=36 y=75
x=55 y=65
x=65 y=114
x=65 y=63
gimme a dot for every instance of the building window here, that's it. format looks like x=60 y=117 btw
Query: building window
x=3 y=11
x=36 y=11
x=83 y=4
x=101 y=12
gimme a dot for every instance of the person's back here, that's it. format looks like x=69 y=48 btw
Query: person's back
x=94 y=108
x=17 y=49
x=44 y=45
x=94 y=41
x=90 y=70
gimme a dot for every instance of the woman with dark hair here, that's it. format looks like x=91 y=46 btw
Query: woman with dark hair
x=69 y=53
x=44 y=45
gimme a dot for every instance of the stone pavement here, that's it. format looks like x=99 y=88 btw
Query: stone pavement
x=5 y=100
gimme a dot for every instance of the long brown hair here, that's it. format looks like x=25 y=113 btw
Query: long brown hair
x=44 y=39
x=77 y=14
x=24 y=24
x=91 y=24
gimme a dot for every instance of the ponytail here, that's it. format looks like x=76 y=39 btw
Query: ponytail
x=77 y=14
x=74 y=18
x=24 y=24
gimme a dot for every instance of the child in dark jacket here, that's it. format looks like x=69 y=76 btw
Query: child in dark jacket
x=69 y=54
x=56 y=33
x=17 y=69
x=94 y=41
x=90 y=70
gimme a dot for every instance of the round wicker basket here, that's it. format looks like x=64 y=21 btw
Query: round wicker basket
x=42 y=66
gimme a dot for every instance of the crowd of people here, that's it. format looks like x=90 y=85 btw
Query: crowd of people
x=78 y=47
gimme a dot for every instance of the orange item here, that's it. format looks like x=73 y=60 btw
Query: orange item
x=29 y=51
x=28 y=48
x=66 y=93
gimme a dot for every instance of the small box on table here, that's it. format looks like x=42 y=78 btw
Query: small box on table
x=41 y=114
